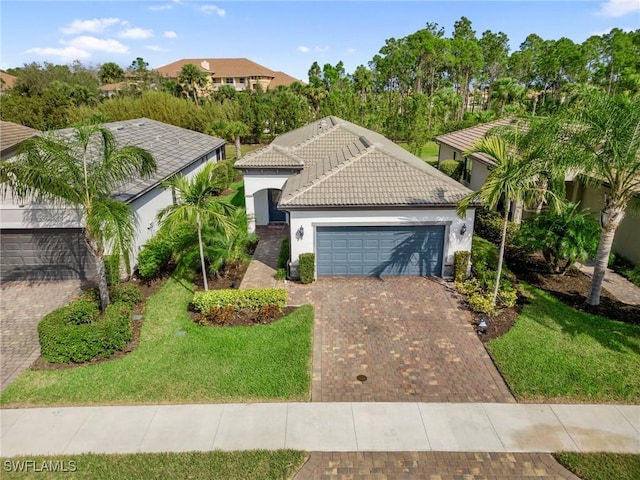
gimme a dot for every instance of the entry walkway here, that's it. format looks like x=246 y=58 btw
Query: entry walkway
x=618 y=286
x=322 y=427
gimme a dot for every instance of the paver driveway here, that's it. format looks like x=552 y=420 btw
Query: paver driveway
x=22 y=305
x=407 y=335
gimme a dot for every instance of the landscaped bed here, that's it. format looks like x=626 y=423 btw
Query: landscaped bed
x=179 y=361
x=217 y=465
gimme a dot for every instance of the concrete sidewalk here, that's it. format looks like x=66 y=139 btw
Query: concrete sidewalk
x=322 y=427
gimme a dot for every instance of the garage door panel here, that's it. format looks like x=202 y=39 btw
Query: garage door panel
x=384 y=250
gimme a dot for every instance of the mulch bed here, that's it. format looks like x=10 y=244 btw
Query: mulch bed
x=242 y=318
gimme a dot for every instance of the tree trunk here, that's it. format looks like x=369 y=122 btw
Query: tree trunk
x=602 y=258
x=501 y=253
x=517 y=212
x=238 y=153
x=98 y=258
x=204 y=269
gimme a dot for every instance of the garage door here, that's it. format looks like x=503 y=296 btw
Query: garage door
x=44 y=254
x=388 y=250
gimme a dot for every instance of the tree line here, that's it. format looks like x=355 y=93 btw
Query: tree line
x=415 y=88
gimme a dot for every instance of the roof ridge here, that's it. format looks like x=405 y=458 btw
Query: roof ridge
x=316 y=136
x=332 y=171
x=286 y=152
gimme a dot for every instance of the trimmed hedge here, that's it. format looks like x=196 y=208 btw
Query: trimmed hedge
x=452 y=168
x=251 y=299
x=63 y=340
x=127 y=293
x=307 y=267
x=460 y=265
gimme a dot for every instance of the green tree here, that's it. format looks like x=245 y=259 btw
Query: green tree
x=563 y=237
x=467 y=56
x=513 y=179
x=196 y=204
x=598 y=136
x=192 y=80
x=110 y=72
x=83 y=171
x=231 y=131
x=495 y=52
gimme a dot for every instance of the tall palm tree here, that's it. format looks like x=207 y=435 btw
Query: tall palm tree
x=513 y=179
x=231 y=131
x=197 y=204
x=599 y=137
x=83 y=170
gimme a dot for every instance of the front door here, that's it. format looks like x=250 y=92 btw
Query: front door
x=275 y=215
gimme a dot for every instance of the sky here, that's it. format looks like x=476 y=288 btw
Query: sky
x=283 y=36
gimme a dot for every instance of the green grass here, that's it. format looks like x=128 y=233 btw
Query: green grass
x=601 y=466
x=230 y=149
x=554 y=352
x=238 y=364
x=217 y=465
x=429 y=151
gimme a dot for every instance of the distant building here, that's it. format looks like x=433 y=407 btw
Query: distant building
x=239 y=73
x=6 y=81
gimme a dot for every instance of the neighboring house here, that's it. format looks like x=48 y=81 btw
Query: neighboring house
x=6 y=81
x=476 y=169
x=239 y=73
x=11 y=137
x=112 y=89
x=362 y=204
x=39 y=241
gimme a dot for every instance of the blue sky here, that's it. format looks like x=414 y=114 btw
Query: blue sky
x=285 y=36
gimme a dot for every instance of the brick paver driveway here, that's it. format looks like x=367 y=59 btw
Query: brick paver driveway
x=407 y=335
x=22 y=305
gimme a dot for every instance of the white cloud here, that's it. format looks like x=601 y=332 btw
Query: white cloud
x=136 y=33
x=304 y=49
x=98 y=44
x=95 y=25
x=159 y=8
x=211 y=9
x=66 y=53
x=351 y=51
x=618 y=8
x=321 y=49
x=607 y=31
x=170 y=34
x=156 y=48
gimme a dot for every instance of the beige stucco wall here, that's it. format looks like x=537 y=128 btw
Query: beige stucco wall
x=445 y=152
x=627 y=239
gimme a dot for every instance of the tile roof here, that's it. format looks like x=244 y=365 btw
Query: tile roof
x=12 y=135
x=281 y=78
x=6 y=80
x=346 y=165
x=219 y=67
x=464 y=139
x=173 y=148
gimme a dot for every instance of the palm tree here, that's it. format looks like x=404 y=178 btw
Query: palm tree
x=192 y=80
x=83 y=170
x=600 y=138
x=197 y=204
x=231 y=131
x=513 y=179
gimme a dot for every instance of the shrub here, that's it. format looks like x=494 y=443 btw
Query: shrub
x=508 y=297
x=112 y=269
x=251 y=299
x=63 y=341
x=460 y=265
x=307 y=267
x=218 y=315
x=283 y=255
x=127 y=293
x=155 y=255
x=452 y=168
x=488 y=225
x=468 y=287
x=481 y=303
x=280 y=274
x=82 y=311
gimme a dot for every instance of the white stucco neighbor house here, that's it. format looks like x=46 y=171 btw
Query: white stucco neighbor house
x=362 y=204
x=42 y=242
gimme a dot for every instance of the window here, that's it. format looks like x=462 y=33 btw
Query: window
x=467 y=168
x=229 y=80
x=241 y=80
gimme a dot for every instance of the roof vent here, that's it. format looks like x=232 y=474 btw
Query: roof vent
x=204 y=64
x=323 y=124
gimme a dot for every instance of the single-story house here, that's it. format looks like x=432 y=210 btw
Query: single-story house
x=476 y=169
x=11 y=137
x=42 y=242
x=362 y=204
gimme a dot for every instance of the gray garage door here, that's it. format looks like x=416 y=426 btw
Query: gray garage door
x=44 y=254
x=388 y=250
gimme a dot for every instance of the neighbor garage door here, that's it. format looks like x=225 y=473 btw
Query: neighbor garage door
x=44 y=254
x=388 y=250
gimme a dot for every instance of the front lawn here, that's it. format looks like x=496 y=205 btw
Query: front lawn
x=178 y=361
x=557 y=353
x=601 y=466
x=216 y=465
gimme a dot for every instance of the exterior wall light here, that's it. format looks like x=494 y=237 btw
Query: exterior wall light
x=463 y=229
